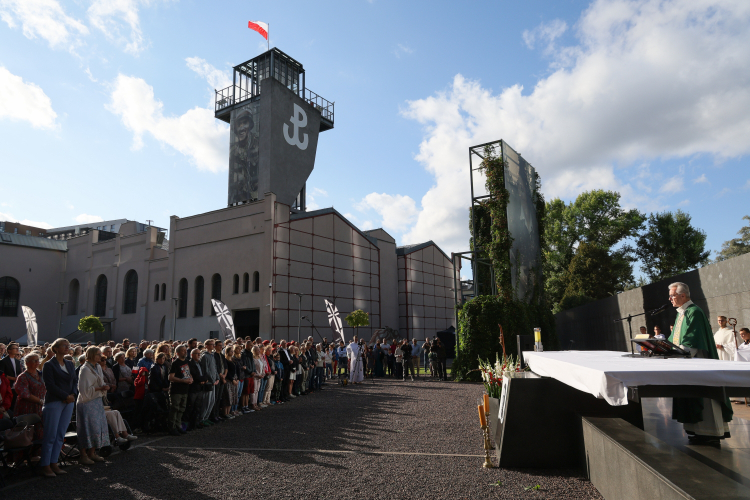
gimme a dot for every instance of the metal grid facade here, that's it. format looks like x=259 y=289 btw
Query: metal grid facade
x=425 y=296
x=323 y=257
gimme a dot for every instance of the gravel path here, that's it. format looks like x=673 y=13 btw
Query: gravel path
x=385 y=440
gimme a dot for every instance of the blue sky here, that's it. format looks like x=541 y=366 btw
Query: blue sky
x=106 y=106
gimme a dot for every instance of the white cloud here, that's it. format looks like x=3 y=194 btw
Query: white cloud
x=25 y=101
x=397 y=212
x=312 y=194
x=44 y=19
x=216 y=78
x=25 y=222
x=545 y=33
x=115 y=18
x=87 y=219
x=701 y=180
x=196 y=133
x=673 y=185
x=90 y=75
x=402 y=50
x=647 y=80
x=684 y=203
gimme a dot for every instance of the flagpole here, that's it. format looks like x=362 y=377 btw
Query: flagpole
x=268 y=38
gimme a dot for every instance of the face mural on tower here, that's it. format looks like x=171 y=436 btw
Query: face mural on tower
x=243 y=153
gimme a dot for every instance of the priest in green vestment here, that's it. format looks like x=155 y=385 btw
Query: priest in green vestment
x=703 y=418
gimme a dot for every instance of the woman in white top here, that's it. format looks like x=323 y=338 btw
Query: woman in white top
x=329 y=362
x=258 y=375
x=91 y=423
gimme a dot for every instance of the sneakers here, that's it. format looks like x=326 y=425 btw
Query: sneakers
x=120 y=440
x=245 y=410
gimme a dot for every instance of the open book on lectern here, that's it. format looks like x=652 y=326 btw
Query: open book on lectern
x=660 y=347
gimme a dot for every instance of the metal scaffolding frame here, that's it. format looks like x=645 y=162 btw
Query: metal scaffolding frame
x=479 y=151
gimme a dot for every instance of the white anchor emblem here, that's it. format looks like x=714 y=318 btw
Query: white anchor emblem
x=299 y=120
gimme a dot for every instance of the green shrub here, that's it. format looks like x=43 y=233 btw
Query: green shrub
x=479 y=335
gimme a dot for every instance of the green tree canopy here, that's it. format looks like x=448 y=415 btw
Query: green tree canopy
x=671 y=245
x=596 y=218
x=90 y=324
x=357 y=318
x=737 y=246
x=597 y=273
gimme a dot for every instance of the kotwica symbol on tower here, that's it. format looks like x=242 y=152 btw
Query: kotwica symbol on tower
x=299 y=120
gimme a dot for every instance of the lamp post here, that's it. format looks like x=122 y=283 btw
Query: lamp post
x=174 y=317
x=59 y=323
x=299 y=314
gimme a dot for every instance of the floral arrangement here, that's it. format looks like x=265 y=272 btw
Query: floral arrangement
x=492 y=375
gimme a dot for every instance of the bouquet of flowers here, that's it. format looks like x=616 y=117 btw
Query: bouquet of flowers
x=492 y=374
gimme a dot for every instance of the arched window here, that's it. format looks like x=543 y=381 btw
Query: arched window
x=215 y=290
x=100 y=306
x=236 y=284
x=163 y=291
x=182 y=304
x=156 y=292
x=73 y=289
x=10 y=290
x=256 y=281
x=130 y=299
x=198 y=307
x=245 y=283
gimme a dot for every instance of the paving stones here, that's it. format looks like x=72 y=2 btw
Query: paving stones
x=368 y=435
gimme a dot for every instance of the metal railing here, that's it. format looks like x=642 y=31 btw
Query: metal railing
x=230 y=96
x=321 y=104
x=233 y=95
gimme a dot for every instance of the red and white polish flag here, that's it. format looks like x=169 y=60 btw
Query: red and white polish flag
x=260 y=27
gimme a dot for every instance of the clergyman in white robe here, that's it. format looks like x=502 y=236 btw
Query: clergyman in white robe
x=725 y=338
x=356 y=371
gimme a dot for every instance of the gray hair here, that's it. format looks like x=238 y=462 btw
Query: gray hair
x=31 y=355
x=148 y=351
x=681 y=288
x=119 y=355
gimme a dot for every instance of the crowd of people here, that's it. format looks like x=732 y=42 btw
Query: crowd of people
x=114 y=391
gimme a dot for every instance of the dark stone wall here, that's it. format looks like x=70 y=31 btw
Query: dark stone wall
x=719 y=289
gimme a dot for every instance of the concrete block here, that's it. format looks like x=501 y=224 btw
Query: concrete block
x=341 y=230
x=300 y=285
x=322 y=243
x=281 y=282
x=324 y=226
x=342 y=262
x=345 y=291
x=300 y=270
x=323 y=289
x=301 y=254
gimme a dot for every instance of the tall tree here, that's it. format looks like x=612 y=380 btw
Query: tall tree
x=595 y=217
x=737 y=246
x=597 y=273
x=671 y=245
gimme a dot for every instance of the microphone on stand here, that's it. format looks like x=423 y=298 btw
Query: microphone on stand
x=659 y=309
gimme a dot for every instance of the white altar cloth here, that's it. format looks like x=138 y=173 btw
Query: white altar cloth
x=608 y=374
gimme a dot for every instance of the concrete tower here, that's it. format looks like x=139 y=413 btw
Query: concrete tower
x=274 y=125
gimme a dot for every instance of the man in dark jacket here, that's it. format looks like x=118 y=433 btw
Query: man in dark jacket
x=221 y=369
x=194 y=408
x=286 y=358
